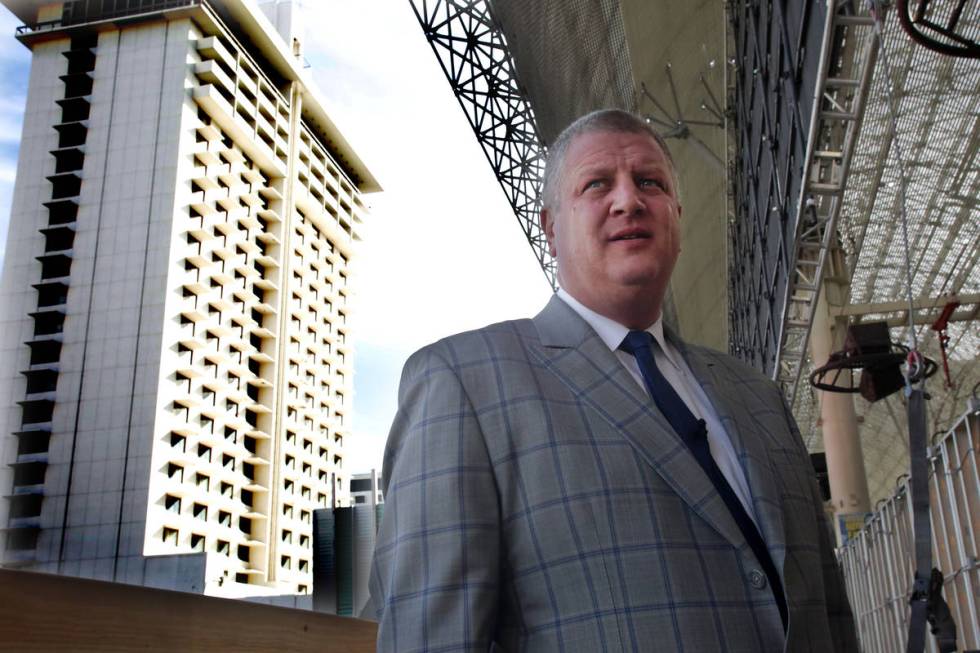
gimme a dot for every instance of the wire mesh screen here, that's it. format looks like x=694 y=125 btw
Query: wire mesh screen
x=573 y=53
x=777 y=51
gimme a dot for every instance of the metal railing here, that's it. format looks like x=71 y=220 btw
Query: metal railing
x=879 y=561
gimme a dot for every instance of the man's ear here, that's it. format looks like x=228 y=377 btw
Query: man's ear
x=548 y=227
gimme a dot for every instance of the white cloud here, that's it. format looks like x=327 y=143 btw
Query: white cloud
x=13 y=105
x=11 y=50
x=14 y=62
x=442 y=249
x=8 y=171
x=10 y=125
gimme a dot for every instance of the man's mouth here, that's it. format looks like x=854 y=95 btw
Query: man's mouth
x=629 y=235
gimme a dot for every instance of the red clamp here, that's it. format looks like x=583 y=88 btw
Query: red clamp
x=940 y=326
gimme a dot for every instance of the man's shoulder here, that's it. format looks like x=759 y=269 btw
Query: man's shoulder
x=491 y=342
x=732 y=366
x=746 y=386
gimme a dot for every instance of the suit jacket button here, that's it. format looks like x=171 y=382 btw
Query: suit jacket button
x=757 y=578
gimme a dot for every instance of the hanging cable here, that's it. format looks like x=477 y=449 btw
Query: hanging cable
x=878 y=15
x=926 y=599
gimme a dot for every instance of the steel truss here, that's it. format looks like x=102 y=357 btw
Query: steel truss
x=846 y=64
x=474 y=56
x=803 y=79
x=777 y=54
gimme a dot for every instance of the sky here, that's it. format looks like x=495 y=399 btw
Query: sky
x=441 y=250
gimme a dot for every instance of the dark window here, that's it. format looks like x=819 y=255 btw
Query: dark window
x=41 y=381
x=37 y=412
x=51 y=294
x=62 y=211
x=360 y=485
x=48 y=323
x=171 y=503
x=29 y=474
x=74 y=110
x=55 y=266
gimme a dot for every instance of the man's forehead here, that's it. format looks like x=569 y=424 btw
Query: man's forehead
x=601 y=148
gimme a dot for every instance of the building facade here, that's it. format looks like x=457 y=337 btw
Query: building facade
x=176 y=357
x=366 y=489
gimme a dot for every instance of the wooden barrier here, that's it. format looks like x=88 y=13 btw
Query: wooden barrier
x=43 y=612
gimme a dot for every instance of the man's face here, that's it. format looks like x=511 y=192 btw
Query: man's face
x=614 y=229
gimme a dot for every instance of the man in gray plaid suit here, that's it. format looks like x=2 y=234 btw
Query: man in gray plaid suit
x=586 y=481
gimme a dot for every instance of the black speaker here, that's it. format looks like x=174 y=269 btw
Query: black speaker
x=819 y=463
x=881 y=381
x=878 y=380
x=868 y=338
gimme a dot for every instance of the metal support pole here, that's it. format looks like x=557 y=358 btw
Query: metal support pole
x=845 y=460
x=920 y=525
x=926 y=602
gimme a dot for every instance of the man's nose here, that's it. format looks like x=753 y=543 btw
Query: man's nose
x=626 y=198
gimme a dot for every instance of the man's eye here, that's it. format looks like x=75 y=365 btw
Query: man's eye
x=652 y=183
x=594 y=183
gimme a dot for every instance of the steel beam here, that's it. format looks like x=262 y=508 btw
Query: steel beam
x=903 y=305
x=846 y=66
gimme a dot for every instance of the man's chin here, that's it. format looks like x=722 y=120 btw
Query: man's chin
x=640 y=279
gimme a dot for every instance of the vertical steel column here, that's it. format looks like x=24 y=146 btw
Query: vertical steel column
x=845 y=460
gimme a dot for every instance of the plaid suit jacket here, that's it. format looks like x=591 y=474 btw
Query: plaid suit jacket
x=536 y=500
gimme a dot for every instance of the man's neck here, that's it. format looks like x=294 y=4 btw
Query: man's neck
x=637 y=313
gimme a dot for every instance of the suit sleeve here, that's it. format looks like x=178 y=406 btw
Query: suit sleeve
x=434 y=580
x=839 y=614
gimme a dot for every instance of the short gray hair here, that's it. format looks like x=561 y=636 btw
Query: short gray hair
x=605 y=120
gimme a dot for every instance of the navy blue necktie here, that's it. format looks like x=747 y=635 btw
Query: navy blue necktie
x=694 y=434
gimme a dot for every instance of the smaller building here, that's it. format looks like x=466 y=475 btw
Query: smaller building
x=366 y=489
x=343 y=547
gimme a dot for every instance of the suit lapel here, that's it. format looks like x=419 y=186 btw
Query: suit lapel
x=750 y=446
x=583 y=362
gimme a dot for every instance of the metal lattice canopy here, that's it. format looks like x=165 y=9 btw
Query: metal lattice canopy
x=475 y=59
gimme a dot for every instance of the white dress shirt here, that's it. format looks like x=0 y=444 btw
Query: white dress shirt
x=674 y=368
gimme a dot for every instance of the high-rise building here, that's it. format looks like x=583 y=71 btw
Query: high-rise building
x=176 y=363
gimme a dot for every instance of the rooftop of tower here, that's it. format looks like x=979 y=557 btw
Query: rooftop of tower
x=242 y=18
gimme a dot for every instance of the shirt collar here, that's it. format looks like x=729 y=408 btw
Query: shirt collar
x=611 y=332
